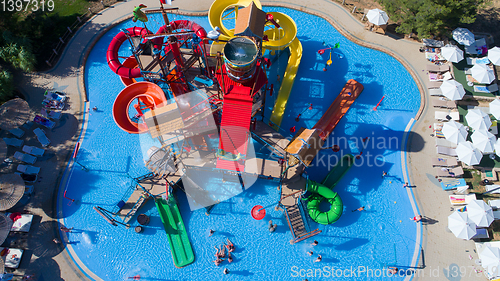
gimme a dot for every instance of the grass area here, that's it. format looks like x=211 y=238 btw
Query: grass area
x=459 y=72
x=71 y=7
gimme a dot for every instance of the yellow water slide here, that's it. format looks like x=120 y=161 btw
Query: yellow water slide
x=279 y=39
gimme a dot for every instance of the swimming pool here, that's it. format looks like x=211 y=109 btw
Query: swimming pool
x=379 y=237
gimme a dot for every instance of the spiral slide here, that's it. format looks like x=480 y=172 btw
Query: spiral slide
x=112 y=53
x=149 y=95
x=323 y=193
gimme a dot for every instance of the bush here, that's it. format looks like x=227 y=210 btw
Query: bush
x=6 y=86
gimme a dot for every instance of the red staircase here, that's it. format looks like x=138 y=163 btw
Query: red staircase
x=235 y=125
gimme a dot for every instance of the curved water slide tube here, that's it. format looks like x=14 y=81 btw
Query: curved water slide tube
x=279 y=39
x=112 y=53
x=149 y=94
x=323 y=193
x=180 y=246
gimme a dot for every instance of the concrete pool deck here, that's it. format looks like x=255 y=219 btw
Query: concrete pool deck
x=440 y=248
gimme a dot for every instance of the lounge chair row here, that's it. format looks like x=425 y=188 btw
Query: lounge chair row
x=450 y=172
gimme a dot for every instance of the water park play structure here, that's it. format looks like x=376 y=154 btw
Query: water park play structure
x=231 y=70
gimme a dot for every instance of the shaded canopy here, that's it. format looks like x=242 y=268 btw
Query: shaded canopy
x=5 y=226
x=14 y=113
x=11 y=190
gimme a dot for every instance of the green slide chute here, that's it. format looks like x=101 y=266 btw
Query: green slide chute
x=182 y=252
x=323 y=191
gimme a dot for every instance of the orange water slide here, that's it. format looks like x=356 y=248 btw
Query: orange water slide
x=149 y=96
x=338 y=108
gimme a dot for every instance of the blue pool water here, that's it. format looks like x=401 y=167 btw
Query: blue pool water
x=379 y=237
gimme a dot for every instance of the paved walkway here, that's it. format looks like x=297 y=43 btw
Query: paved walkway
x=440 y=248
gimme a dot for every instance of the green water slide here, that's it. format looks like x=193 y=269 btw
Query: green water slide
x=323 y=191
x=338 y=171
x=182 y=252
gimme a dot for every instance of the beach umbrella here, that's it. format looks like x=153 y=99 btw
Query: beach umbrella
x=478 y=119
x=483 y=73
x=377 y=16
x=490 y=257
x=11 y=190
x=454 y=132
x=495 y=108
x=497 y=147
x=13 y=114
x=480 y=213
x=484 y=141
x=463 y=36
x=494 y=55
x=452 y=89
x=5 y=226
x=468 y=154
x=452 y=53
x=460 y=225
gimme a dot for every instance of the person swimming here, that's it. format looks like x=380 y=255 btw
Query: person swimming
x=218 y=261
x=229 y=246
x=229 y=257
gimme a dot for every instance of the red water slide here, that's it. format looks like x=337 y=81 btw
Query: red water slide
x=112 y=53
x=148 y=95
x=179 y=24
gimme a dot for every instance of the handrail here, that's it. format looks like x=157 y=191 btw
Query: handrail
x=288 y=221
x=267 y=143
x=290 y=194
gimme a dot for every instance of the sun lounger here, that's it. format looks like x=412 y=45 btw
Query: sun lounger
x=439 y=77
x=50 y=114
x=446 y=116
x=434 y=56
x=444 y=162
x=492 y=188
x=471 y=79
x=52 y=104
x=446 y=151
x=44 y=121
x=445 y=143
x=444 y=103
x=496 y=214
x=437 y=130
x=30 y=159
x=56 y=96
x=27 y=125
x=438 y=68
x=28 y=169
x=454 y=172
x=486 y=89
x=33 y=150
x=452 y=183
x=22 y=222
x=17 y=132
x=461 y=199
x=41 y=136
x=494 y=203
x=13 y=257
x=433 y=84
x=28 y=178
x=473 y=61
x=462 y=189
x=13 y=142
x=436 y=92
x=481 y=233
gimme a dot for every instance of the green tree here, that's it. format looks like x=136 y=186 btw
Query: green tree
x=6 y=85
x=431 y=17
x=17 y=52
